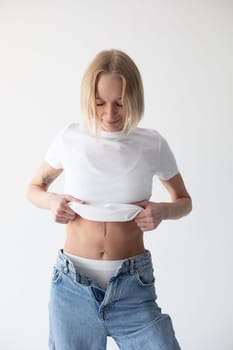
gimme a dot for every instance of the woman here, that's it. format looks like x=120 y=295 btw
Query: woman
x=103 y=283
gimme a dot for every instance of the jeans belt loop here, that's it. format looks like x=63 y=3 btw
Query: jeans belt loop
x=131 y=267
x=78 y=277
x=66 y=266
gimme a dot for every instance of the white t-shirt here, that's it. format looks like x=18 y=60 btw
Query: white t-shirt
x=111 y=173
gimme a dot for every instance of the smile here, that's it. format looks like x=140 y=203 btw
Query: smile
x=114 y=122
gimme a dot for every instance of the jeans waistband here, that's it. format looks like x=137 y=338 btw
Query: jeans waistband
x=129 y=265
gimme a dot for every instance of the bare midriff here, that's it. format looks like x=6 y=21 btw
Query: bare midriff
x=103 y=241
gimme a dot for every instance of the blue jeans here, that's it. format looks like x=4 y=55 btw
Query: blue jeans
x=82 y=315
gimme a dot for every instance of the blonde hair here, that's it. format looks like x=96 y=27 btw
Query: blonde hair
x=115 y=62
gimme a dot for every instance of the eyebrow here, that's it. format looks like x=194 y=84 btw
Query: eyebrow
x=100 y=98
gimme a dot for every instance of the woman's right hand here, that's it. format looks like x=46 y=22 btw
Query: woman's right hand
x=61 y=212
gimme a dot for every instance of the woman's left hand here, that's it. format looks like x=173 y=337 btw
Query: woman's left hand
x=152 y=215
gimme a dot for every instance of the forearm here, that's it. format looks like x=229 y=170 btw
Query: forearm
x=176 y=209
x=39 y=197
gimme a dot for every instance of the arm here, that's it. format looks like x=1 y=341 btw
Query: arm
x=38 y=186
x=181 y=201
x=37 y=193
x=154 y=213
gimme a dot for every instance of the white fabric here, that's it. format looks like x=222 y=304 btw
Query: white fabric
x=110 y=211
x=99 y=271
x=110 y=172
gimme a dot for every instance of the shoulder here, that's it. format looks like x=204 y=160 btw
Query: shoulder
x=146 y=132
x=150 y=136
x=70 y=129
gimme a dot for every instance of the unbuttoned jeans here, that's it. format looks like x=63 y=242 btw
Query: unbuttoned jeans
x=82 y=315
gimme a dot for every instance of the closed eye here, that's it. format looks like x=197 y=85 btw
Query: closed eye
x=101 y=104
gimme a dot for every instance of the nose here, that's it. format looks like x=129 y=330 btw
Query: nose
x=110 y=111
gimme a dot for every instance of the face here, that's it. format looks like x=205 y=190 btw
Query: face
x=109 y=102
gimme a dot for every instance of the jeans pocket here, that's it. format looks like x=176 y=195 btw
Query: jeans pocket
x=145 y=277
x=56 y=275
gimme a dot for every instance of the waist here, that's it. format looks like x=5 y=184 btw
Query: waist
x=129 y=264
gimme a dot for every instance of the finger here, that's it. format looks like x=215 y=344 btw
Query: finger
x=141 y=215
x=69 y=216
x=144 y=227
x=64 y=217
x=148 y=226
x=144 y=221
x=68 y=211
x=61 y=220
x=65 y=213
x=64 y=207
x=142 y=224
x=142 y=204
x=70 y=198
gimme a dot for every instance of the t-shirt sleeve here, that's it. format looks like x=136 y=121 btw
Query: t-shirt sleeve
x=55 y=151
x=167 y=165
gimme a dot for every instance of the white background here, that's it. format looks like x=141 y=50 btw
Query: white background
x=184 y=52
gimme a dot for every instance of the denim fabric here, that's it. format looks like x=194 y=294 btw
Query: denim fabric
x=82 y=314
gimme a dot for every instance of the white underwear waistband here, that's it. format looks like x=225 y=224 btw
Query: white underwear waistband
x=99 y=271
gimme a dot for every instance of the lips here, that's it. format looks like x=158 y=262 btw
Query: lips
x=112 y=122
